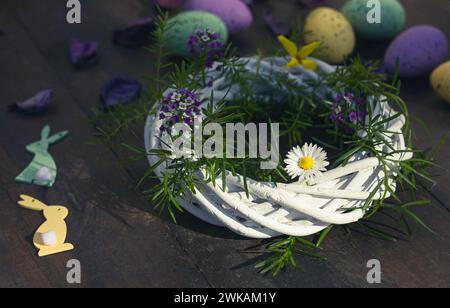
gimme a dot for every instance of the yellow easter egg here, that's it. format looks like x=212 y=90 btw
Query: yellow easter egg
x=440 y=80
x=335 y=33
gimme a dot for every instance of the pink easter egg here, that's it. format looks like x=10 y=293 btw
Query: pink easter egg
x=234 y=13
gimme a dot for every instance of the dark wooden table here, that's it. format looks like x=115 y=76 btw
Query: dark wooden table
x=119 y=239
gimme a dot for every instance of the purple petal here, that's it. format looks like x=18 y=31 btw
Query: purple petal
x=36 y=104
x=277 y=27
x=136 y=34
x=312 y=3
x=83 y=53
x=120 y=90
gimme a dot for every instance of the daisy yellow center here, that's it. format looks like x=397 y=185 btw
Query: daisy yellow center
x=306 y=163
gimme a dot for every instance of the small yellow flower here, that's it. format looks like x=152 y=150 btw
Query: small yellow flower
x=299 y=55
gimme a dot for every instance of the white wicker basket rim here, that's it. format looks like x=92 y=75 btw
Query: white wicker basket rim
x=292 y=209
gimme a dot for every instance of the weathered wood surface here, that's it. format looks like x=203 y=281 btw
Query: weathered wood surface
x=119 y=239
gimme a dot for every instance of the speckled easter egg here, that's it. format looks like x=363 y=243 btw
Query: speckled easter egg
x=419 y=50
x=182 y=26
x=375 y=22
x=235 y=14
x=440 y=80
x=334 y=31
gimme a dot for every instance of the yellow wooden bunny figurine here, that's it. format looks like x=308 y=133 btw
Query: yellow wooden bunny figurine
x=51 y=236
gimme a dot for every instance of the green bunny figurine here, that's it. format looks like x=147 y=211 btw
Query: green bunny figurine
x=42 y=170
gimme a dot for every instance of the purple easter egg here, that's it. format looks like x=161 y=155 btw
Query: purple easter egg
x=234 y=13
x=419 y=50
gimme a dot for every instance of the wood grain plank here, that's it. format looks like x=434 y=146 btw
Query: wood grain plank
x=214 y=252
x=118 y=246
x=85 y=93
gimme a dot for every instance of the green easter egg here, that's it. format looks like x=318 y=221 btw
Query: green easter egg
x=182 y=26
x=377 y=20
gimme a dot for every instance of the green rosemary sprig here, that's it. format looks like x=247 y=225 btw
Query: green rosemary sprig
x=282 y=254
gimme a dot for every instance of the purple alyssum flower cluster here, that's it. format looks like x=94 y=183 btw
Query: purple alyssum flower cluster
x=207 y=44
x=180 y=106
x=348 y=111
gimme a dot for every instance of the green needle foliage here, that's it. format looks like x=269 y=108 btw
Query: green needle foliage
x=303 y=117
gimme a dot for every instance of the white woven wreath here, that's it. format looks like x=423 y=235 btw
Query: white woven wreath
x=273 y=209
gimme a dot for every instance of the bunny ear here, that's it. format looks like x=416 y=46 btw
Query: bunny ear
x=45 y=132
x=57 y=137
x=31 y=203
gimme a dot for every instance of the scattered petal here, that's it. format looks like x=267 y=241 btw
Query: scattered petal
x=136 y=34
x=83 y=54
x=120 y=90
x=277 y=27
x=36 y=104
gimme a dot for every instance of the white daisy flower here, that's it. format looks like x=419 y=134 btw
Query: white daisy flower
x=306 y=163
